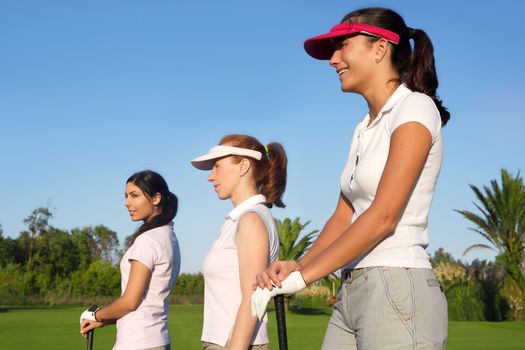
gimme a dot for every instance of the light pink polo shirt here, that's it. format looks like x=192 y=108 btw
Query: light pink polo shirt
x=147 y=326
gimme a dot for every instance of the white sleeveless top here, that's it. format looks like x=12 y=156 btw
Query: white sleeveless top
x=222 y=291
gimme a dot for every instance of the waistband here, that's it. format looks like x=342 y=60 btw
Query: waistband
x=348 y=275
x=351 y=274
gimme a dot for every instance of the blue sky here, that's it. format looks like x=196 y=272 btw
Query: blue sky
x=91 y=92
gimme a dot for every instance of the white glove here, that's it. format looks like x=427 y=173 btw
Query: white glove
x=260 y=298
x=89 y=315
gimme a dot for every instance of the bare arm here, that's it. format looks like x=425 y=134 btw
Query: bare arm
x=139 y=277
x=409 y=148
x=252 y=249
x=333 y=229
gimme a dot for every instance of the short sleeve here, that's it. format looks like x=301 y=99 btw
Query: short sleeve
x=416 y=107
x=143 y=250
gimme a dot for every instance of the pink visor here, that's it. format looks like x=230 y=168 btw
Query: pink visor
x=322 y=47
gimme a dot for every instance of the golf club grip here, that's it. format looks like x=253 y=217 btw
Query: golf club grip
x=90 y=336
x=281 y=322
x=91 y=333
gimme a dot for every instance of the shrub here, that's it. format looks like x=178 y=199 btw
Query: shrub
x=100 y=279
x=315 y=295
x=464 y=294
x=11 y=284
x=189 y=289
x=515 y=300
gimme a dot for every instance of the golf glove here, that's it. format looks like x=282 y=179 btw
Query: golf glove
x=260 y=298
x=89 y=315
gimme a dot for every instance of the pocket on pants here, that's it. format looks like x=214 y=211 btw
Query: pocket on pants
x=437 y=300
x=399 y=291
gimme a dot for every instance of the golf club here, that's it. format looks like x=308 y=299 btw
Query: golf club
x=281 y=322
x=91 y=333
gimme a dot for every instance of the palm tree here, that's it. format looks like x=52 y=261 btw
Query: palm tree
x=502 y=223
x=290 y=247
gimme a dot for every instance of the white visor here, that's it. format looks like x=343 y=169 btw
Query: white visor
x=206 y=161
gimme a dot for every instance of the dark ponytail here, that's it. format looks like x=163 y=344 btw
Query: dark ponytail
x=421 y=74
x=415 y=67
x=152 y=183
x=269 y=172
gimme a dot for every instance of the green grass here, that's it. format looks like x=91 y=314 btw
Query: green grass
x=57 y=329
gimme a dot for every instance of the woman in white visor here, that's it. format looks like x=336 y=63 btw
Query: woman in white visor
x=253 y=178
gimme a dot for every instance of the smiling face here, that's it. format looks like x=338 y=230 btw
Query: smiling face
x=225 y=176
x=139 y=205
x=353 y=59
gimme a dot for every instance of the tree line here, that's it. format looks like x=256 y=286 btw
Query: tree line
x=47 y=265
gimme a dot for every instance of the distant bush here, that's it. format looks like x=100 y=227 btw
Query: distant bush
x=12 y=285
x=176 y=299
x=464 y=294
x=515 y=299
x=100 y=279
x=189 y=289
x=313 y=296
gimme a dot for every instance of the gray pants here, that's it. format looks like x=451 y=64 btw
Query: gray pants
x=388 y=308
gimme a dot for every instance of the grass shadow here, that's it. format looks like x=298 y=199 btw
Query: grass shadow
x=310 y=311
x=5 y=309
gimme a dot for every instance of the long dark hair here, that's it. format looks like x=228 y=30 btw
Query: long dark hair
x=152 y=183
x=270 y=171
x=415 y=67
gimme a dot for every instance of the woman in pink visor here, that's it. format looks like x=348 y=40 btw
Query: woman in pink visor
x=253 y=178
x=377 y=235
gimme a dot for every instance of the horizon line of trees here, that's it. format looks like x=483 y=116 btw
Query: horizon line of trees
x=51 y=266
x=48 y=265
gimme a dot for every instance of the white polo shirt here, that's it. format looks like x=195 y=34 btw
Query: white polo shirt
x=405 y=247
x=147 y=326
x=222 y=287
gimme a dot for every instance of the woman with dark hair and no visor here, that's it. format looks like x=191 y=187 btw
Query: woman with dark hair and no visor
x=377 y=235
x=253 y=178
x=149 y=269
